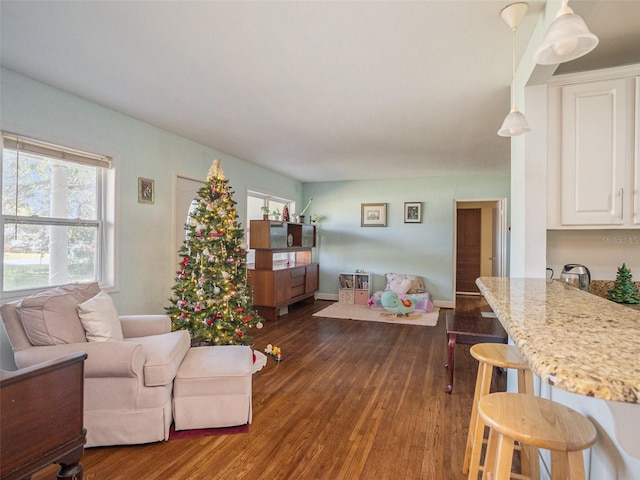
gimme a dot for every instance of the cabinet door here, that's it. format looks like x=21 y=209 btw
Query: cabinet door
x=312 y=279
x=595 y=135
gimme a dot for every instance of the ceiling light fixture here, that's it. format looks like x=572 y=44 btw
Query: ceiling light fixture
x=567 y=38
x=515 y=123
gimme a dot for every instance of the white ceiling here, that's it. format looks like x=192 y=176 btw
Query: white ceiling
x=319 y=90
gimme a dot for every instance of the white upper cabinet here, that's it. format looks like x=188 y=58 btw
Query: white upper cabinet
x=593 y=168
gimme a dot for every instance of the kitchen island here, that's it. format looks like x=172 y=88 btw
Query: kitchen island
x=585 y=352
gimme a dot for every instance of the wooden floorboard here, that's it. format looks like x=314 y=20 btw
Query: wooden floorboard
x=350 y=400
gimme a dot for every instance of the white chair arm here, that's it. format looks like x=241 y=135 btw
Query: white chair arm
x=104 y=359
x=134 y=326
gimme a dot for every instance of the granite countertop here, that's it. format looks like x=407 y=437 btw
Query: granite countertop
x=572 y=339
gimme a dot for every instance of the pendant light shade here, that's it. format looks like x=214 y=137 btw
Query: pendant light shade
x=567 y=38
x=515 y=122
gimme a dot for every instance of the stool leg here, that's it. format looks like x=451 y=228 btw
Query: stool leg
x=476 y=425
x=530 y=459
x=504 y=458
x=489 y=457
x=576 y=465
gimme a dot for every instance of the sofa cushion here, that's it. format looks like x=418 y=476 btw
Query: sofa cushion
x=396 y=279
x=163 y=355
x=51 y=317
x=99 y=318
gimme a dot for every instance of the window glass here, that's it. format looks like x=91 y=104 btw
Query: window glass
x=51 y=221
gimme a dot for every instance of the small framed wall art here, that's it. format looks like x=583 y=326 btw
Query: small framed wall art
x=412 y=212
x=373 y=215
x=146 y=190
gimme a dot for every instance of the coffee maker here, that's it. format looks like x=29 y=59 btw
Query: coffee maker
x=576 y=275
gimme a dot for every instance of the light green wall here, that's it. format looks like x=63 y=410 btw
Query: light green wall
x=146 y=250
x=145 y=232
x=424 y=249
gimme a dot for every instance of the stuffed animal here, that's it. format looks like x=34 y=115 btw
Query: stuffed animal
x=392 y=302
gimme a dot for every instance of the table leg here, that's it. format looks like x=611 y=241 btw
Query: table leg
x=451 y=343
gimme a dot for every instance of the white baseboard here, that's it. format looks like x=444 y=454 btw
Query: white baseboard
x=443 y=303
x=327 y=296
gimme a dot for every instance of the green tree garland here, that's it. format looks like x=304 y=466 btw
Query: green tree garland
x=212 y=298
x=624 y=290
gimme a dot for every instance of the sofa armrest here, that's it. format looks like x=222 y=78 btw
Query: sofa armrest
x=134 y=326
x=104 y=359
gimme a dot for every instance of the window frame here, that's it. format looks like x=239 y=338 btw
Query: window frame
x=105 y=270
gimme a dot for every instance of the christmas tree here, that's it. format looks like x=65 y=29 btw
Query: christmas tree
x=211 y=297
x=624 y=290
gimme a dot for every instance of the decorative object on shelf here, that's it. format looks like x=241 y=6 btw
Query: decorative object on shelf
x=294 y=217
x=624 y=290
x=265 y=212
x=373 y=215
x=412 y=212
x=567 y=38
x=146 y=190
x=515 y=122
x=285 y=214
x=211 y=296
x=275 y=214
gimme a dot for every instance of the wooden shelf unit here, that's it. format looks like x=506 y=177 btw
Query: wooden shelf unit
x=354 y=288
x=279 y=283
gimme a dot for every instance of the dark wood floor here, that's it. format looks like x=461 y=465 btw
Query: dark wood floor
x=350 y=400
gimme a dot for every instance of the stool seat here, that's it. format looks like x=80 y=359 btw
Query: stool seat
x=537 y=422
x=499 y=355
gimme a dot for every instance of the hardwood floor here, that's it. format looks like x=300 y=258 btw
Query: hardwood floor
x=350 y=400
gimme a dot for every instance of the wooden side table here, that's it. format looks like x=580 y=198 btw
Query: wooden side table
x=469 y=330
x=42 y=418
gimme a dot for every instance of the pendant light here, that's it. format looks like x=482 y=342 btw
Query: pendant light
x=515 y=123
x=566 y=39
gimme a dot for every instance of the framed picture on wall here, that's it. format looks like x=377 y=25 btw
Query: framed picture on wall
x=373 y=215
x=146 y=190
x=412 y=212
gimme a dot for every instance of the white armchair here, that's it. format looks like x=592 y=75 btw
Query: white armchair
x=128 y=382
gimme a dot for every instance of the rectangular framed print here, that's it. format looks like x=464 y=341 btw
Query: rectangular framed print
x=373 y=215
x=412 y=212
x=146 y=190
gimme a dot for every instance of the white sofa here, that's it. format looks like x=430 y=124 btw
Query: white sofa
x=128 y=382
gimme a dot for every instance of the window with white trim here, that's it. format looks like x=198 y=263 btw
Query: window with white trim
x=57 y=216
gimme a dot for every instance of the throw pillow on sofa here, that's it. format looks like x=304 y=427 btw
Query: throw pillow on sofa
x=99 y=318
x=51 y=317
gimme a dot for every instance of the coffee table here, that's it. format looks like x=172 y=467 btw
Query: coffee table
x=469 y=330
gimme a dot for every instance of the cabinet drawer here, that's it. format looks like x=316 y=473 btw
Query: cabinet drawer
x=346 y=296
x=361 y=297
x=297 y=290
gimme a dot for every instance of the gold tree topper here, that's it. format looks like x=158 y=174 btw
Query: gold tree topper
x=216 y=170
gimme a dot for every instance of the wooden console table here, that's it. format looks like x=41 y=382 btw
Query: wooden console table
x=469 y=330
x=41 y=412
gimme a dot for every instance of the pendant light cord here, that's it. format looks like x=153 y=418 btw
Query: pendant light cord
x=513 y=68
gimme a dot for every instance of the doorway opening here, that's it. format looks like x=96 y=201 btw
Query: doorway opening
x=479 y=249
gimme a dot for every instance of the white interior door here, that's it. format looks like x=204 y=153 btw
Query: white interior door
x=186 y=191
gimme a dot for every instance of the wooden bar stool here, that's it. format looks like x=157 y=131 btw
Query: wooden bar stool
x=535 y=421
x=490 y=355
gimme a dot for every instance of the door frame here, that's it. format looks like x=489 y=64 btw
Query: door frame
x=500 y=240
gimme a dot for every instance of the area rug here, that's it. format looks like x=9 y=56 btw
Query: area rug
x=206 y=432
x=363 y=312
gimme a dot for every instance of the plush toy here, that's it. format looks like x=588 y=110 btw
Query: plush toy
x=392 y=302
